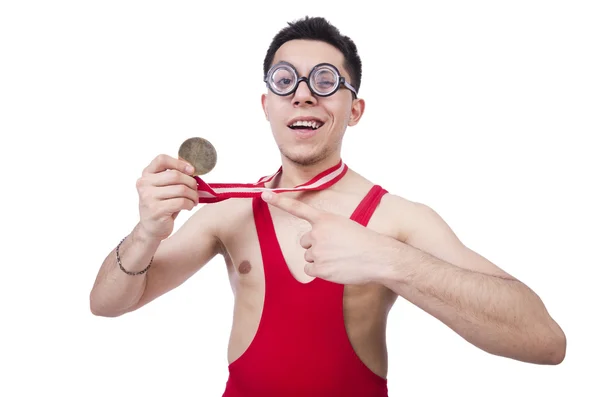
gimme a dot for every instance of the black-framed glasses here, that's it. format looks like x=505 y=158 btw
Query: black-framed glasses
x=324 y=80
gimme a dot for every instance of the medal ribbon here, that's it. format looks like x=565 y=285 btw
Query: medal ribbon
x=214 y=192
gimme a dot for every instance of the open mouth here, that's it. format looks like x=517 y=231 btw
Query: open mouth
x=311 y=125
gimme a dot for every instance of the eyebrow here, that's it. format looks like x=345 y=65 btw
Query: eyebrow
x=311 y=68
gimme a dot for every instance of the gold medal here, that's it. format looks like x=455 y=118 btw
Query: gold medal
x=200 y=153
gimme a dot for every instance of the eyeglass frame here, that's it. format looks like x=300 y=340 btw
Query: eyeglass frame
x=341 y=80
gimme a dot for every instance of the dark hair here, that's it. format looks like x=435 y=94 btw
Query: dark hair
x=317 y=28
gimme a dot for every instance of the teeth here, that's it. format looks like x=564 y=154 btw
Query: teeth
x=312 y=124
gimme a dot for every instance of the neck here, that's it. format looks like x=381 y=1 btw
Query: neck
x=294 y=174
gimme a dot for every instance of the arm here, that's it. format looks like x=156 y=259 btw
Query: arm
x=435 y=271
x=165 y=188
x=175 y=260
x=478 y=300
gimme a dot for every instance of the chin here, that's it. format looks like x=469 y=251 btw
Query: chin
x=306 y=159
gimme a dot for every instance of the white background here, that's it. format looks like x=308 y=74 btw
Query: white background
x=486 y=111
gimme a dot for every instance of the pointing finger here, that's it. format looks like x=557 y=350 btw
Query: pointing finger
x=294 y=207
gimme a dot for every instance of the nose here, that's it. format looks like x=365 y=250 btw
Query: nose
x=303 y=96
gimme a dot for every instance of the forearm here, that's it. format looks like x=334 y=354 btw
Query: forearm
x=115 y=291
x=499 y=315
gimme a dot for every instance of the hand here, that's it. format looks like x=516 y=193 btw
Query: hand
x=165 y=188
x=338 y=249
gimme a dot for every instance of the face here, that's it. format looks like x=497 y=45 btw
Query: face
x=293 y=117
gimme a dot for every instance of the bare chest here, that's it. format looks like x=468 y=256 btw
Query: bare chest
x=365 y=307
x=280 y=233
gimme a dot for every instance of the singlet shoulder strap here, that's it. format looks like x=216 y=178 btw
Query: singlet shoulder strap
x=363 y=212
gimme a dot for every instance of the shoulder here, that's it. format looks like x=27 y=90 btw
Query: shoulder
x=391 y=204
x=410 y=212
x=222 y=217
x=409 y=218
x=398 y=216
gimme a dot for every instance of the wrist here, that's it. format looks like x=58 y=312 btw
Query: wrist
x=398 y=265
x=135 y=253
x=142 y=238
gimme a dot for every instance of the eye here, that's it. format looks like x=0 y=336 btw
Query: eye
x=325 y=80
x=325 y=84
x=282 y=79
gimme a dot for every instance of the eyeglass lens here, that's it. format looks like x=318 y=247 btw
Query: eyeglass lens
x=323 y=80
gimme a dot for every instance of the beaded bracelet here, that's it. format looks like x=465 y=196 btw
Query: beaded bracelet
x=128 y=272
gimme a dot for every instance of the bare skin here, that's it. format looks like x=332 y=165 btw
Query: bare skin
x=406 y=249
x=365 y=307
x=228 y=229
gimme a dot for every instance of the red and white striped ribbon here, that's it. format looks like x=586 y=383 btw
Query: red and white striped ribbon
x=214 y=192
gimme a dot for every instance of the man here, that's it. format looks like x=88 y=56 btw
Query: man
x=315 y=272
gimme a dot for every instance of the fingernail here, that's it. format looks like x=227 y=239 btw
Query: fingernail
x=189 y=169
x=267 y=196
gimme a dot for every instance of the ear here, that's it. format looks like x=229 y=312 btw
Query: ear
x=263 y=101
x=358 y=109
